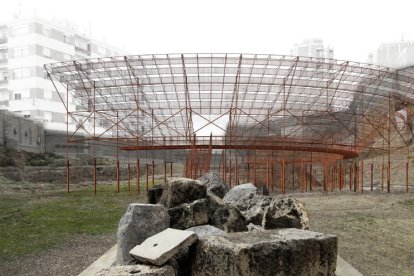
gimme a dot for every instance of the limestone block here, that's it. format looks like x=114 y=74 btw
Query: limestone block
x=138 y=223
x=285 y=212
x=189 y=215
x=181 y=190
x=267 y=252
x=240 y=196
x=214 y=184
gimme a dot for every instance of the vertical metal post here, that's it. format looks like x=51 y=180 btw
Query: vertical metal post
x=171 y=169
x=255 y=171
x=67 y=142
x=406 y=177
x=153 y=173
x=248 y=171
x=165 y=171
x=267 y=175
x=283 y=176
x=94 y=140
x=94 y=175
x=117 y=153
x=362 y=176
x=372 y=177
x=230 y=169
x=129 y=177
x=137 y=172
x=324 y=176
x=236 y=172
x=146 y=173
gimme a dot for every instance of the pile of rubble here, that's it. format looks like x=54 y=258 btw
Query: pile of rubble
x=202 y=227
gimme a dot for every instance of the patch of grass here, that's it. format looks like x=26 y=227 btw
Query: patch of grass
x=30 y=223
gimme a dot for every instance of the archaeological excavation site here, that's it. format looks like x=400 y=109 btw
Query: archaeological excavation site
x=222 y=144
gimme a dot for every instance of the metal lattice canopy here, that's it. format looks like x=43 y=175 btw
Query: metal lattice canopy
x=252 y=101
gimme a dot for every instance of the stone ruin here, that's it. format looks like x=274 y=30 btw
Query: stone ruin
x=202 y=227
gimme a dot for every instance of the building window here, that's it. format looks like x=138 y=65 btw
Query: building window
x=46 y=31
x=81 y=44
x=20 y=30
x=4 y=75
x=17 y=96
x=21 y=73
x=19 y=52
x=46 y=52
x=3 y=35
x=67 y=39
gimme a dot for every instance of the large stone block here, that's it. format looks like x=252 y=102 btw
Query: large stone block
x=181 y=190
x=139 y=222
x=267 y=252
x=137 y=270
x=255 y=209
x=161 y=247
x=285 y=212
x=214 y=184
x=240 y=196
x=189 y=215
x=229 y=219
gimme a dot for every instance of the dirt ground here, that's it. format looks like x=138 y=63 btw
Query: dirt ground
x=68 y=259
x=375 y=231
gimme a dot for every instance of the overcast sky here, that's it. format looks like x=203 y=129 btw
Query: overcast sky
x=353 y=27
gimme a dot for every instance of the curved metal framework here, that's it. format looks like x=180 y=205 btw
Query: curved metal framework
x=275 y=110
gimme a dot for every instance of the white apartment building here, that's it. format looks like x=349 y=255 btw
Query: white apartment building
x=312 y=48
x=398 y=54
x=26 y=44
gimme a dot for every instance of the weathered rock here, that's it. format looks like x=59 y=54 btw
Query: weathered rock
x=271 y=252
x=213 y=203
x=215 y=184
x=140 y=270
x=204 y=230
x=189 y=215
x=138 y=223
x=285 y=212
x=255 y=210
x=229 y=219
x=182 y=190
x=240 y=196
x=160 y=248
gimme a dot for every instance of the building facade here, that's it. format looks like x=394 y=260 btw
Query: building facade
x=398 y=54
x=312 y=48
x=26 y=44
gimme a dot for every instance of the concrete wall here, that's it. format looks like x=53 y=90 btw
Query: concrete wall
x=20 y=133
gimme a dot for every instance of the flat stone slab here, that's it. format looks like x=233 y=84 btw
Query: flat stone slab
x=138 y=270
x=161 y=247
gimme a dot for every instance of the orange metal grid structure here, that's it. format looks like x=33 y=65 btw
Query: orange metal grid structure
x=284 y=117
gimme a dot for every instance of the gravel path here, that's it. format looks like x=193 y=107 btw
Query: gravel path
x=68 y=259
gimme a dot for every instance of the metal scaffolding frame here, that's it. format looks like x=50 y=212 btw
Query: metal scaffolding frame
x=307 y=114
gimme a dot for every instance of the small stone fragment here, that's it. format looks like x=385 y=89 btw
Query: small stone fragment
x=161 y=247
